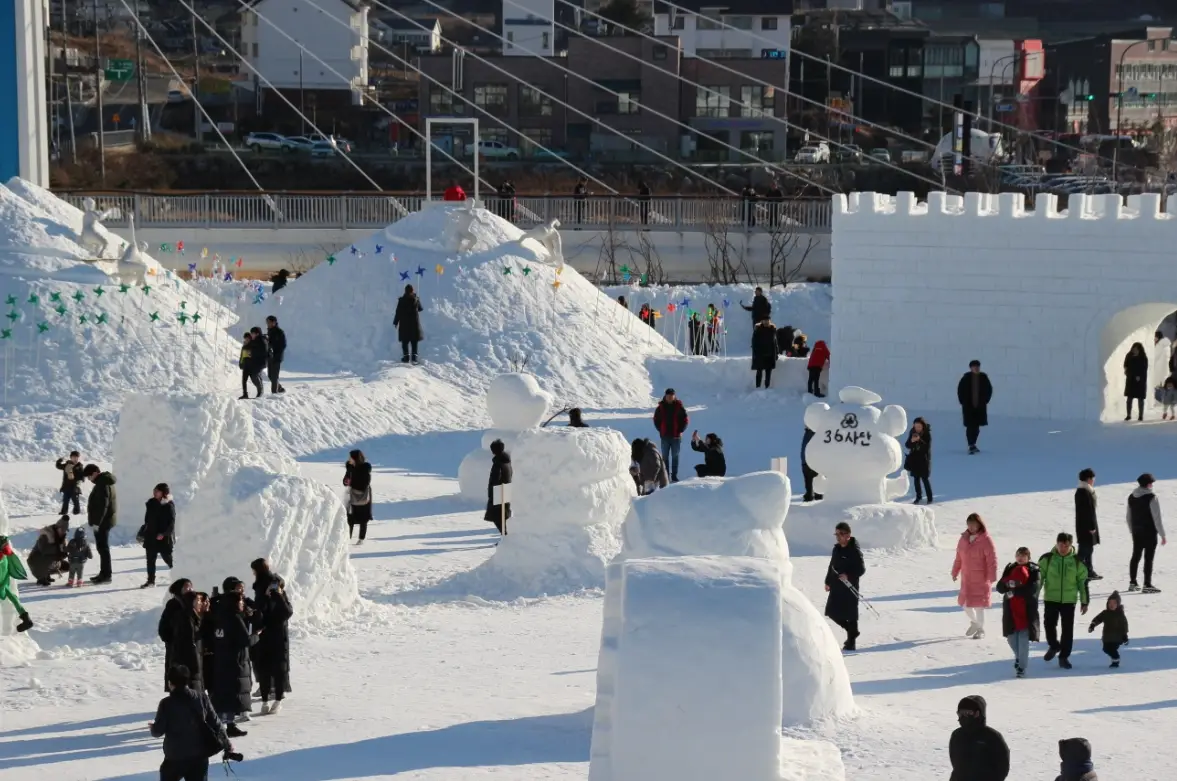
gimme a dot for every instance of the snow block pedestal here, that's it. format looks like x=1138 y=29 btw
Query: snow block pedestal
x=516 y=403
x=238 y=498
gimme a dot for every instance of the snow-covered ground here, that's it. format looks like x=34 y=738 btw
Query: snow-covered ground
x=420 y=683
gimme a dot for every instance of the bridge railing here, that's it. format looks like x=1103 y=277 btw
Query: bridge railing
x=349 y=210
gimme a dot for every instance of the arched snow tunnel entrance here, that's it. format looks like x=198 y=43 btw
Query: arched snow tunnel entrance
x=1135 y=324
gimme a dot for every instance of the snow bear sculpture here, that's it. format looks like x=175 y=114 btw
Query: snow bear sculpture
x=91 y=238
x=740 y=516
x=516 y=403
x=548 y=236
x=854 y=448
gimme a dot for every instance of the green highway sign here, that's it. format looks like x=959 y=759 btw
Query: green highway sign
x=120 y=70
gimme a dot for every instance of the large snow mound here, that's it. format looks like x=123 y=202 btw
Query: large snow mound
x=75 y=337
x=237 y=497
x=479 y=321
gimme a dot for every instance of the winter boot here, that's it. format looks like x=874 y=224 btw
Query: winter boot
x=1064 y=663
x=1094 y=576
x=1150 y=589
x=972 y=630
x=918 y=499
x=243 y=396
x=1050 y=654
x=71 y=583
x=979 y=635
x=241 y=718
x=405 y=358
x=265 y=708
x=277 y=706
x=26 y=623
x=234 y=731
x=148 y=584
x=973 y=450
x=1115 y=664
x=1133 y=587
x=1019 y=672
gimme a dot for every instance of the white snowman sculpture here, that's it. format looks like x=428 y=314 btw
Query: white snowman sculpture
x=516 y=403
x=854 y=448
x=91 y=238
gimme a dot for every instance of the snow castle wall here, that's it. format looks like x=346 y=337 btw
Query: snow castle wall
x=237 y=499
x=1047 y=300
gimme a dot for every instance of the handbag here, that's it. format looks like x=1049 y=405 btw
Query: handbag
x=358 y=498
x=210 y=739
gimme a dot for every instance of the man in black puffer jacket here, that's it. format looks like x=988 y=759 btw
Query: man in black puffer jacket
x=178 y=721
x=1075 y=754
x=101 y=513
x=977 y=751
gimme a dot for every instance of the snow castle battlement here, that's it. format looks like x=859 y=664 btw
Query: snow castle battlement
x=1048 y=300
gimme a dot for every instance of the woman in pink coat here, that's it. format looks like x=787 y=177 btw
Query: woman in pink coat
x=976 y=566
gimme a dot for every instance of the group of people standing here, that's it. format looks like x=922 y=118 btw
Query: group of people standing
x=1136 y=377
x=769 y=342
x=262 y=352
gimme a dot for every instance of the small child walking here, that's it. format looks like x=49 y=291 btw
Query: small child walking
x=78 y=551
x=1168 y=398
x=1115 y=627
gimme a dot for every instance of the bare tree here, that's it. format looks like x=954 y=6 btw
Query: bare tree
x=789 y=247
x=725 y=260
x=612 y=244
x=647 y=260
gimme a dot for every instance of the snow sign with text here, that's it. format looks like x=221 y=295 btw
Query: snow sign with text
x=854 y=448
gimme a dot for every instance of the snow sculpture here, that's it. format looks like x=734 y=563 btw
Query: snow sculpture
x=548 y=236
x=463 y=234
x=237 y=497
x=516 y=403
x=14 y=648
x=132 y=264
x=742 y=516
x=855 y=448
x=570 y=495
x=91 y=238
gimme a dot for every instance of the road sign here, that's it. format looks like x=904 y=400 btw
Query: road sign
x=1004 y=108
x=116 y=119
x=120 y=70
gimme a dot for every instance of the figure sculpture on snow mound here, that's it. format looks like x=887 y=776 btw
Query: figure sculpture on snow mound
x=740 y=516
x=548 y=236
x=91 y=220
x=11 y=569
x=854 y=450
x=462 y=221
x=515 y=403
x=132 y=264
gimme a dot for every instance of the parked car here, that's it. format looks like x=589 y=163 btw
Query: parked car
x=259 y=142
x=497 y=150
x=296 y=144
x=177 y=96
x=550 y=154
x=881 y=155
x=342 y=144
x=323 y=149
x=813 y=153
x=850 y=153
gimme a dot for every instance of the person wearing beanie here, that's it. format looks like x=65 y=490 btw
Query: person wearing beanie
x=79 y=553
x=1064 y=582
x=1144 y=524
x=1076 y=764
x=1115 y=627
x=977 y=751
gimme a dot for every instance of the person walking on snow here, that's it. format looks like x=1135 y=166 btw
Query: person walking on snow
x=407 y=322
x=102 y=514
x=159 y=530
x=71 y=482
x=842 y=576
x=1076 y=764
x=974 y=392
x=182 y=719
x=918 y=462
x=1019 y=608
x=1064 y=582
x=78 y=551
x=671 y=420
x=251 y=362
x=761 y=308
x=1086 y=524
x=714 y=462
x=819 y=359
x=173 y=609
x=977 y=751
x=976 y=566
x=1144 y=523
x=1136 y=379
x=357 y=478
x=1115 y=627
x=501 y=473
x=764 y=351
x=11 y=569
x=277 y=339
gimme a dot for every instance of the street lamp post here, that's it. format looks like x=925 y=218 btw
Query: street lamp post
x=992 y=69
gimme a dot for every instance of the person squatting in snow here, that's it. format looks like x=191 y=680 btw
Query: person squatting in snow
x=647 y=467
x=714 y=462
x=976 y=567
x=71 y=482
x=841 y=582
x=357 y=479
x=49 y=556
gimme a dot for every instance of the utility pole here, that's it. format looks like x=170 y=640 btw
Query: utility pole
x=98 y=90
x=195 y=79
x=141 y=81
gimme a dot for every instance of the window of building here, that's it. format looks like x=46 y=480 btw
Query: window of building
x=498 y=134
x=545 y=41
x=758 y=100
x=756 y=140
x=533 y=103
x=723 y=54
x=535 y=137
x=705 y=23
x=942 y=61
x=1152 y=46
x=627 y=102
x=510 y=39
x=739 y=22
x=679 y=23
x=444 y=103
x=659 y=52
x=896 y=58
x=992 y=10
x=713 y=101
x=768 y=23
x=255 y=49
x=491 y=97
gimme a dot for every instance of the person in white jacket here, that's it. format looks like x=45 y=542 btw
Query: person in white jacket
x=1145 y=526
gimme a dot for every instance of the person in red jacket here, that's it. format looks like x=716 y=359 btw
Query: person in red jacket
x=454 y=193
x=671 y=420
x=817 y=361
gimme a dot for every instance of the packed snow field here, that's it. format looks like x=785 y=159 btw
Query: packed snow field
x=428 y=652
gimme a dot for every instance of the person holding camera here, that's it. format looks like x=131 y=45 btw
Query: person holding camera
x=189 y=726
x=272 y=666
x=71 y=482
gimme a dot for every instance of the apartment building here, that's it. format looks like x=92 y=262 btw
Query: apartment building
x=739 y=29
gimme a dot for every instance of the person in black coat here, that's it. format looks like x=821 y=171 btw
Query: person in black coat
x=500 y=474
x=764 y=351
x=806 y=472
x=251 y=362
x=234 y=674
x=186 y=643
x=576 y=419
x=102 y=508
x=977 y=751
x=274 y=612
x=279 y=280
x=714 y=462
x=277 y=340
x=974 y=392
x=172 y=609
x=1086 y=522
x=784 y=340
x=159 y=530
x=846 y=567
x=180 y=720
x=357 y=477
x=918 y=462
x=761 y=308
x=1136 y=379
x=1076 y=764
x=71 y=482
x=408 y=324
